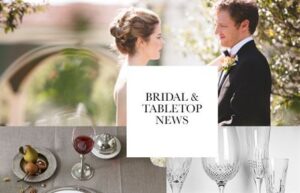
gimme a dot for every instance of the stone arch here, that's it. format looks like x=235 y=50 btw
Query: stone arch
x=22 y=66
x=14 y=76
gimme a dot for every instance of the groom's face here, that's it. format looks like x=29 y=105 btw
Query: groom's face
x=226 y=29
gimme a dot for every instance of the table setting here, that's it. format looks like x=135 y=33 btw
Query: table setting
x=73 y=160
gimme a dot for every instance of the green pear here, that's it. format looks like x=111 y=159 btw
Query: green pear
x=30 y=154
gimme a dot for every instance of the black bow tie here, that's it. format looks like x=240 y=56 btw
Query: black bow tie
x=226 y=53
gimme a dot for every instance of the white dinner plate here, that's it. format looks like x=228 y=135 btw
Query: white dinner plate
x=71 y=189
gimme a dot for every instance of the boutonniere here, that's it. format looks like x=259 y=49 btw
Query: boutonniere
x=228 y=62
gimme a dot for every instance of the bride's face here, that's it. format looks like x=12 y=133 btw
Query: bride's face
x=226 y=29
x=152 y=47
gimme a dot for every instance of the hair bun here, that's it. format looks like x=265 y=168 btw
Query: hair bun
x=129 y=25
x=115 y=31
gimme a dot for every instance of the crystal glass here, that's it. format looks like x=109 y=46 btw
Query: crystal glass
x=83 y=143
x=275 y=174
x=177 y=170
x=258 y=149
x=225 y=166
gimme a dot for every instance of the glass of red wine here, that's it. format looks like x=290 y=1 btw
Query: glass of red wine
x=83 y=143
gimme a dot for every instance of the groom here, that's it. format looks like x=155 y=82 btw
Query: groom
x=245 y=79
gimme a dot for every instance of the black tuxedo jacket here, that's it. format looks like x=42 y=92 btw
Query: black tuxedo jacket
x=244 y=91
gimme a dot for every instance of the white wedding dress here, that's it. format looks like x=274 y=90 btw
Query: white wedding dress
x=120 y=93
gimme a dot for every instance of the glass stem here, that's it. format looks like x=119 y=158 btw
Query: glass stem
x=176 y=187
x=221 y=188
x=258 y=182
x=82 y=165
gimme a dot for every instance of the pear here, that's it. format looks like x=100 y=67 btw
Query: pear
x=30 y=154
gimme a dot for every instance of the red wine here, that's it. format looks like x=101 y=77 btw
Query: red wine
x=83 y=144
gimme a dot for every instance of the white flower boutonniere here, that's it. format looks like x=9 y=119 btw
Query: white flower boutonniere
x=159 y=161
x=228 y=62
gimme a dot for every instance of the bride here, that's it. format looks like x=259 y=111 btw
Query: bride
x=138 y=39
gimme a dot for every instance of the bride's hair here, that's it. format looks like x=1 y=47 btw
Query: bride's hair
x=130 y=24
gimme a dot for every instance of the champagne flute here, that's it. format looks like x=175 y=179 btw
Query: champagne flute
x=225 y=166
x=275 y=174
x=177 y=170
x=258 y=149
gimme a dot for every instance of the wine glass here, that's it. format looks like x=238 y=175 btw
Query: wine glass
x=177 y=170
x=225 y=166
x=258 y=149
x=83 y=143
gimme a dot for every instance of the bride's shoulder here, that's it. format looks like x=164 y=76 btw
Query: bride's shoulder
x=120 y=88
x=121 y=82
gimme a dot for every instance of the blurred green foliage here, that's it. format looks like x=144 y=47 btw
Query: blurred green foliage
x=279 y=37
x=72 y=77
x=12 y=13
x=71 y=80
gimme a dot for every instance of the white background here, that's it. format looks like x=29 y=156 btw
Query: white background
x=198 y=138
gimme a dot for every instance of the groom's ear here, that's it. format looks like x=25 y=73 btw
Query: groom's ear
x=245 y=25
